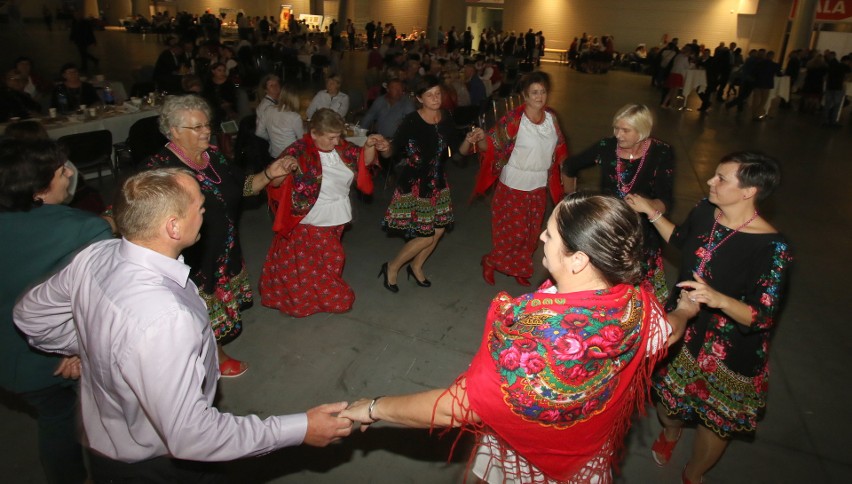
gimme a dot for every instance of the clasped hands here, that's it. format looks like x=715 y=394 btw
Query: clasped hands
x=377 y=141
x=331 y=422
x=475 y=136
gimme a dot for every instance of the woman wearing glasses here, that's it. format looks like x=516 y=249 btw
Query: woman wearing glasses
x=216 y=260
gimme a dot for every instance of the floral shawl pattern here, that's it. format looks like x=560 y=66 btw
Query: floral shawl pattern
x=501 y=142
x=302 y=188
x=558 y=376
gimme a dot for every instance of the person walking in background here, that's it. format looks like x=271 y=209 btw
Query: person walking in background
x=83 y=36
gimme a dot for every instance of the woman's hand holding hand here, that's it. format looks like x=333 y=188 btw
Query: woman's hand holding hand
x=698 y=291
x=359 y=412
x=475 y=136
x=282 y=167
x=640 y=204
x=377 y=141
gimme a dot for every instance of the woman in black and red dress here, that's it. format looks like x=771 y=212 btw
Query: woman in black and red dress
x=421 y=208
x=216 y=260
x=735 y=265
x=632 y=161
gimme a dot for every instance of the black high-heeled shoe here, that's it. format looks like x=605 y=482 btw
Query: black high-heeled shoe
x=423 y=283
x=390 y=287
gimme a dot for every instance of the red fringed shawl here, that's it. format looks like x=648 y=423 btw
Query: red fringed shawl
x=501 y=142
x=558 y=376
x=292 y=201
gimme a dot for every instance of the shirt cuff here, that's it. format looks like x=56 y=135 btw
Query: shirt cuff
x=292 y=429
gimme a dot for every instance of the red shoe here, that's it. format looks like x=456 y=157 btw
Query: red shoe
x=232 y=368
x=522 y=281
x=684 y=479
x=662 y=449
x=487 y=271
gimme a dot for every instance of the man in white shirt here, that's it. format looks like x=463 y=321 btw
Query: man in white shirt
x=330 y=98
x=149 y=366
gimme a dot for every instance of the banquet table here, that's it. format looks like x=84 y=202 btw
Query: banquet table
x=116 y=122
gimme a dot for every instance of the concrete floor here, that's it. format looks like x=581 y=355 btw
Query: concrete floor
x=423 y=338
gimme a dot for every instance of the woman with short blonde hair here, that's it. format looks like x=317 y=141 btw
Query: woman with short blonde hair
x=632 y=162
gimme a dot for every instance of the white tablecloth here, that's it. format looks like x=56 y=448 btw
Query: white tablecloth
x=117 y=124
x=780 y=89
x=694 y=80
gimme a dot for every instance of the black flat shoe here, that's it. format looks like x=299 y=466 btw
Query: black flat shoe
x=423 y=283
x=390 y=287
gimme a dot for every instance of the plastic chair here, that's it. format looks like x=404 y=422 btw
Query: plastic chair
x=143 y=140
x=90 y=150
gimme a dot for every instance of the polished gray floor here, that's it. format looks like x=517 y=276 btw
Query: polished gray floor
x=423 y=338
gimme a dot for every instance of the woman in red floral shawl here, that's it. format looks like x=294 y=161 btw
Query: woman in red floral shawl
x=302 y=274
x=521 y=154
x=560 y=371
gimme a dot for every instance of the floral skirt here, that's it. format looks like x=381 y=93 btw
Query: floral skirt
x=303 y=273
x=419 y=217
x=656 y=274
x=225 y=304
x=516 y=219
x=724 y=401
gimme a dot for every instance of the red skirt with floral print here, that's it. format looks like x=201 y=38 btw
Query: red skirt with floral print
x=303 y=273
x=516 y=219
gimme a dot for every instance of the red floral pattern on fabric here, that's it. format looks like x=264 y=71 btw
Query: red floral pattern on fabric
x=558 y=376
x=516 y=221
x=303 y=273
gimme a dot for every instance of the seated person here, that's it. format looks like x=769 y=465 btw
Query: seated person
x=330 y=98
x=14 y=102
x=75 y=91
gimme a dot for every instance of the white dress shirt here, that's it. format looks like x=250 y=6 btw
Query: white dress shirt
x=532 y=156
x=338 y=103
x=149 y=363
x=332 y=207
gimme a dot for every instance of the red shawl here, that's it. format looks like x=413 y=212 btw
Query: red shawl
x=558 y=376
x=501 y=142
x=292 y=201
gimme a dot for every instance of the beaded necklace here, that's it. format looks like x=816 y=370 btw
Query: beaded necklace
x=619 y=169
x=705 y=253
x=183 y=157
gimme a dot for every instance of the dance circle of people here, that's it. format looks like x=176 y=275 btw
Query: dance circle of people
x=559 y=373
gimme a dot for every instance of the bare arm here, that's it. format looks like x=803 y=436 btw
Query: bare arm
x=654 y=210
x=415 y=410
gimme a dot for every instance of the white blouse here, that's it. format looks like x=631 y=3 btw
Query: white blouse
x=532 y=156
x=332 y=207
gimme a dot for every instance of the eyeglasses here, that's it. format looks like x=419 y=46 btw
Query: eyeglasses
x=199 y=128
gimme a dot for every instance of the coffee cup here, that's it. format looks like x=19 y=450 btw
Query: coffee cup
x=51 y=112
x=93 y=112
x=83 y=107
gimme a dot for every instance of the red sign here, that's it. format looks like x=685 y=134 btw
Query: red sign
x=829 y=10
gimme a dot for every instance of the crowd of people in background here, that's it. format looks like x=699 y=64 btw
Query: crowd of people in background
x=422 y=103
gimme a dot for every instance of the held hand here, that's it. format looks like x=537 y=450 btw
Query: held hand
x=382 y=143
x=359 y=412
x=700 y=292
x=475 y=136
x=282 y=167
x=69 y=368
x=639 y=204
x=325 y=426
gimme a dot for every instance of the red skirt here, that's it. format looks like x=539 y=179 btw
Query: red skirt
x=516 y=220
x=303 y=273
x=674 y=81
